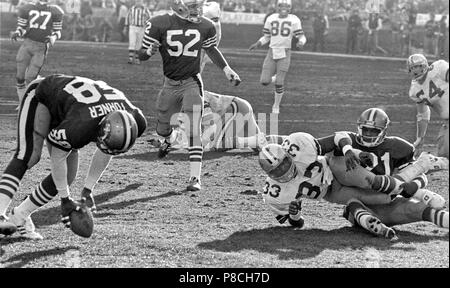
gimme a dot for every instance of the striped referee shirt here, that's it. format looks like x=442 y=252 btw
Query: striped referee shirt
x=137 y=16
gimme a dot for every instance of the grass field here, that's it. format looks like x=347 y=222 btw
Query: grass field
x=147 y=219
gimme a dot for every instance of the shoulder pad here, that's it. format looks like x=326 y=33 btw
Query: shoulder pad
x=57 y=10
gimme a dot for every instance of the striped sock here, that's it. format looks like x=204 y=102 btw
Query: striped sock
x=438 y=217
x=279 y=92
x=386 y=184
x=10 y=181
x=195 y=160
x=363 y=217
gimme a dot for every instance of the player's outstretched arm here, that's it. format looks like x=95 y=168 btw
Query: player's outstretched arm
x=218 y=59
x=261 y=42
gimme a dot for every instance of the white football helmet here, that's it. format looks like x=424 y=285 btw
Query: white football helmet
x=417 y=65
x=277 y=163
x=191 y=10
x=284 y=7
x=117 y=132
x=372 y=126
x=211 y=10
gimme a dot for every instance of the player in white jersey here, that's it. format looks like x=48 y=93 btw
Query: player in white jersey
x=228 y=123
x=429 y=88
x=297 y=170
x=279 y=30
x=211 y=10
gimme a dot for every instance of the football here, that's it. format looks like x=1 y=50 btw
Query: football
x=82 y=222
x=7 y=228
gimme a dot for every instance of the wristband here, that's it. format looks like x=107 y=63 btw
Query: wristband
x=346 y=148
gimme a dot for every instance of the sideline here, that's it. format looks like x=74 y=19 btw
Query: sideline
x=231 y=50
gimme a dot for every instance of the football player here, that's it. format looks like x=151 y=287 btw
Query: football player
x=429 y=88
x=180 y=37
x=228 y=123
x=69 y=112
x=381 y=155
x=279 y=30
x=40 y=25
x=297 y=170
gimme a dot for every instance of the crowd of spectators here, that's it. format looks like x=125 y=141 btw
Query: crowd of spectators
x=396 y=16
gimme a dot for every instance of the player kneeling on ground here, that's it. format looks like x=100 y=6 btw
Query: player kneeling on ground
x=297 y=170
x=69 y=112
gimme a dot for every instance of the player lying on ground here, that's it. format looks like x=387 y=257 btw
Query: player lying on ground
x=226 y=121
x=296 y=173
x=69 y=112
x=40 y=25
x=429 y=88
x=179 y=38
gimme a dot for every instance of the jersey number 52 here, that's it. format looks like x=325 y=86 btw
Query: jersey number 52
x=177 y=47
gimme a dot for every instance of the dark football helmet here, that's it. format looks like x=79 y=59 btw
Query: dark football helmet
x=372 y=126
x=117 y=132
x=191 y=10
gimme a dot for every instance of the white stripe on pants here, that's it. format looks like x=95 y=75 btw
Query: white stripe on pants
x=135 y=37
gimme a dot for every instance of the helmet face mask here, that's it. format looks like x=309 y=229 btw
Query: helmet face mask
x=417 y=65
x=117 y=133
x=191 y=10
x=372 y=126
x=277 y=163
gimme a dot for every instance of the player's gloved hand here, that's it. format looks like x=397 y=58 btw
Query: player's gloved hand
x=418 y=146
x=51 y=40
x=88 y=199
x=232 y=76
x=67 y=206
x=255 y=45
x=351 y=160
x=366 y=159
x=301 y=42
x=295 y=207
x=15 y=35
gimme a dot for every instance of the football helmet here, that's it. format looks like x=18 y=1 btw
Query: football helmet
x=417 y=65
x=277 y=163
x=117 y=132
x=284 y=7
x=372 y=126
x=211 y=10
x=191 y=10
x=42 y=2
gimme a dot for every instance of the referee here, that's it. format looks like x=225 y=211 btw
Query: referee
x=135 y=20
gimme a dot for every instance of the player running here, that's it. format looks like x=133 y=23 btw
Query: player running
x=69 y=112
x=429 y=88
x=40 y=25
x=180 y=37
x=279 y=30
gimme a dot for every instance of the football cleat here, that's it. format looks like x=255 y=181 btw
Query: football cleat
x=25 y=226
x=6 y=227
x=430 y=198
x=376 y=227
x=164 y=149
x=194 y=184
x=88 y=199
x=432 y=163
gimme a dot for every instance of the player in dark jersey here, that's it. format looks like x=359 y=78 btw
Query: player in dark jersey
x=69 y=112
x=370 y=151
x=40 y=25
x=180 y=37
